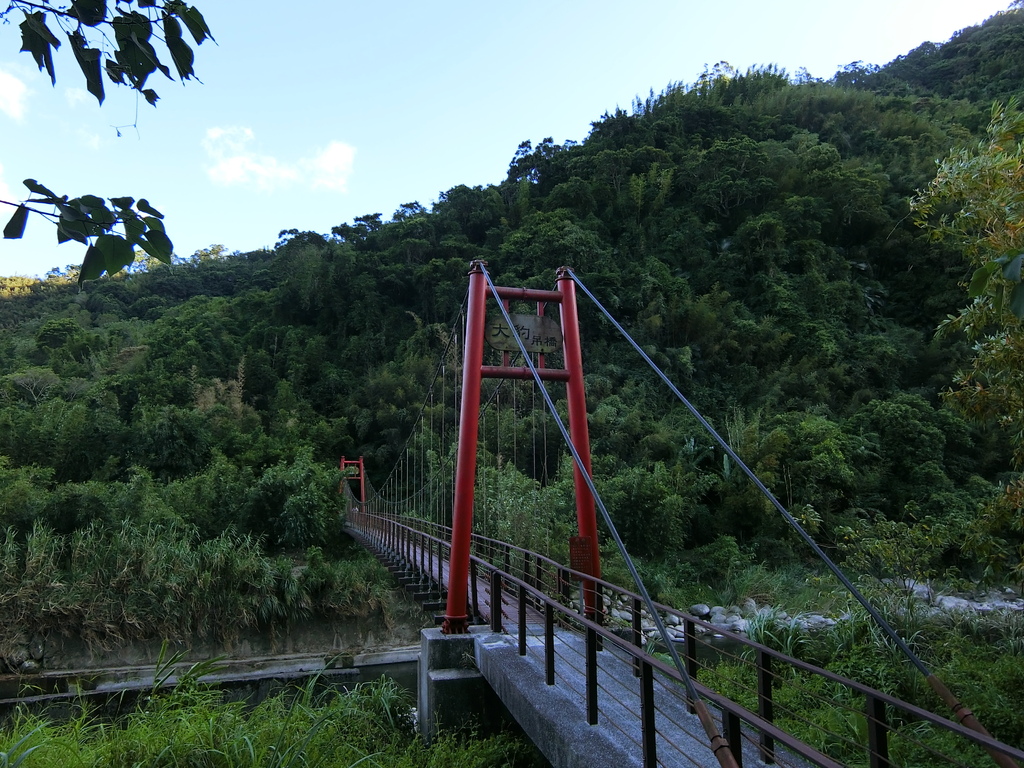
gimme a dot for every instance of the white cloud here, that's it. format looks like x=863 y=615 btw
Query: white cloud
x=332 y=167
x=237 y=161
x=227 y=140
x=89 y=139
x=12 y=95
x=76 y=96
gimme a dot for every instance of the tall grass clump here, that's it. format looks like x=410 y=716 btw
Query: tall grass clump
x=110 y=586
x=311 y=727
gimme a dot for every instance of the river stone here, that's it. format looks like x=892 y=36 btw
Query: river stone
x=737 y=624
x=816 y=621
x=19 y=652
x=1006 y=605
x=924 y=592
x=36 y=648
x=950 y=603
x=700 y=610
x=748 y=606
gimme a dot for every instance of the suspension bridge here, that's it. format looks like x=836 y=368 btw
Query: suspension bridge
x=596 y=673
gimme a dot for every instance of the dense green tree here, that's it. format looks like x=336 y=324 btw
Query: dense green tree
x=750 y=231
x=979 y=64
x=293 y=502
x=977 y=200
x=984 y=186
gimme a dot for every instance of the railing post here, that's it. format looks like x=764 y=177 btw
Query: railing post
x=473 y=590
x=564 y=585
x=649 y=734
x=442 y=584
x=690 y=632
x=549 y=644
x=440 y=563
x=878 y=733
x=496 y=601
x=638 y=635
x=522 y=620
x=591 y=676
x=731 y=733
x=765 y=705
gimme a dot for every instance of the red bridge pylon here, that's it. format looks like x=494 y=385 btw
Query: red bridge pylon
x=473 y=372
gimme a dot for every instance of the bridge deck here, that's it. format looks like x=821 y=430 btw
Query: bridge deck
x=593 y=686
x=555 y=717
x=437 y=571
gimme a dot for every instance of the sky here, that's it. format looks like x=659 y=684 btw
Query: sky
x=309 y=117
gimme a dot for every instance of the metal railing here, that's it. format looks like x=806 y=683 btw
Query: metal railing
x=787 y=711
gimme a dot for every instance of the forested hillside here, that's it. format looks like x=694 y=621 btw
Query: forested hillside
x=753 y=230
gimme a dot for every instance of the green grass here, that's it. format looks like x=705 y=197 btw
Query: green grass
x=109 y=587
x=980 y=657
x=311 y=727
x=977 y=656
x=830 y=718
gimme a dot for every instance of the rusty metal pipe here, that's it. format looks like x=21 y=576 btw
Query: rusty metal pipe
x=719 y=744
x=965 y=717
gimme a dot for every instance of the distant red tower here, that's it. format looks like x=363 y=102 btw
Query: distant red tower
x=352 y=469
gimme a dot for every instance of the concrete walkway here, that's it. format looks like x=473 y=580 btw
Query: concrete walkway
x=555 y=717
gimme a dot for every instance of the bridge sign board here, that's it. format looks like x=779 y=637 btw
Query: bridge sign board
x=580 y=554
x=539 y=334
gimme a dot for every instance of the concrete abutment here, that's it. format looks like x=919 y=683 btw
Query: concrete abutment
x=452 y=692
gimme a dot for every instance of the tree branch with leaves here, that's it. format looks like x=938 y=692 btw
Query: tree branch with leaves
x=977 y=202
x=117 y=39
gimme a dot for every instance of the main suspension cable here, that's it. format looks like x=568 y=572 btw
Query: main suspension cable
x=962 y=713
x=836 y=570
x=691 y=691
